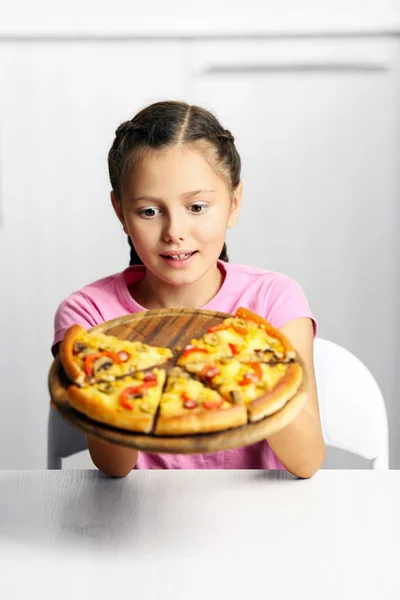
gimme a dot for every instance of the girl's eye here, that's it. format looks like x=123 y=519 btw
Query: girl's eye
x=149 y=213
x=198 y=208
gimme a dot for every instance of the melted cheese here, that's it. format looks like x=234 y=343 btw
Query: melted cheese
x=233 y=372
x=172 y=403
x=148 y=403
x=141 y=356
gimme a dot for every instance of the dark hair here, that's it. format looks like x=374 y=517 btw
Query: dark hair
x=165 y=124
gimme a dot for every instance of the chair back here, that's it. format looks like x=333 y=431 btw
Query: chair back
x=352 y=408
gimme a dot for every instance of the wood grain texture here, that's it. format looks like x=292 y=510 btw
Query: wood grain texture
x=173 y=328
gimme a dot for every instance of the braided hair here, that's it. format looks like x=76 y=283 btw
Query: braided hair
x=165 y=124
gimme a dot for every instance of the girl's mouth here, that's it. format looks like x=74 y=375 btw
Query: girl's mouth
x=178 y=256
x=179 y=260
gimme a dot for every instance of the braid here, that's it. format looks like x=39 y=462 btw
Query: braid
x=134 y=259
x=226 y=135
x=224 y=254
x=124 y=128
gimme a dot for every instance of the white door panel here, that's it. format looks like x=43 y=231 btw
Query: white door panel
x=316 y=125
x=60 y=105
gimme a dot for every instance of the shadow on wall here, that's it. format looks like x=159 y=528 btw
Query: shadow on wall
x=340 y=459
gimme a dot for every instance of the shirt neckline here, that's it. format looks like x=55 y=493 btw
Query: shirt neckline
x=129 y=275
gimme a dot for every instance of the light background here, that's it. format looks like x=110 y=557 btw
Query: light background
x=310 y=91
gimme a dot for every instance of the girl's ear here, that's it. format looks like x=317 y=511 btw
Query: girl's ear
x=235 y=206
x=118 y=210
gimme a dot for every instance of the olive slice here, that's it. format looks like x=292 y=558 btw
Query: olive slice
x=106 y=388
x=211 y=339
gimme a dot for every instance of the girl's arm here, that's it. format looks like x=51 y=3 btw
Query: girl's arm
x=300 y=445
x=112 y=459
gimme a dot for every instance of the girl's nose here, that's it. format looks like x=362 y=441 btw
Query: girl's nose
x=175 y=229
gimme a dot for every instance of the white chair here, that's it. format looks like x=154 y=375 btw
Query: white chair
x=352 y=408
x=62 y=440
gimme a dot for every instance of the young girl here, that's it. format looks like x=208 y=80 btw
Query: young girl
x=175 y=177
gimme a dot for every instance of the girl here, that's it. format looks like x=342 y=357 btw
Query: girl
x=175 y=177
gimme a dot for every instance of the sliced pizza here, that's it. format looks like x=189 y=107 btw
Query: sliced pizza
x=129 y=403
x=88 y=358
x=263 y=388
x=239 y=370
x=241 y=337
x=188 y=407
x=265 y=342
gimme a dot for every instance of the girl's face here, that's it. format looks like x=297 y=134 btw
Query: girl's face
x=176 y=209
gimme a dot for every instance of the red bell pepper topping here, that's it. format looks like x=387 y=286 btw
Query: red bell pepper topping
x=257 y=369
x=252 y=377
x=233 y=349
x=239 y=329
x=211 y=405
x=91 y=358
x=147 y=384
x=126 y=404
x=218 y=327
x=150 y=377
x=190 y=349
x=247 y=379
x=133 y=390
x=129 y=391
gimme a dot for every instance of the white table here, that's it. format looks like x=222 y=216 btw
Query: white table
x=200 y=534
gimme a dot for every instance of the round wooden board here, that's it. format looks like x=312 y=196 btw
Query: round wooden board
x=171 y=328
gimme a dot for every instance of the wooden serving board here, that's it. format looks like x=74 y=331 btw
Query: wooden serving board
x=173 y=328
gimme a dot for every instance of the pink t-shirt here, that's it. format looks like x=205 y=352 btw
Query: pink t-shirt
x=273 y=295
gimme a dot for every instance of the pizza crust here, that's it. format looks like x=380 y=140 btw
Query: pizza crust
x=67 y=354
x=273 y=401
x=89 y=406
x=245 y=313
x=84 y=401
x=201 y=422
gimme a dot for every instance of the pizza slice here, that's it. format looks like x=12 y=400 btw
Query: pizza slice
x=263 y=388
x=245 y=336
x=89 y=358
x=129 y=403
x=258 y=340
x=188 y=407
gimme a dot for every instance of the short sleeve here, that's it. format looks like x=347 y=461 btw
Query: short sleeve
x=75 y=309
x=285 y=302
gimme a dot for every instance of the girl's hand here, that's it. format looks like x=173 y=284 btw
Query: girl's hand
x=112 y=459
x=300 y=446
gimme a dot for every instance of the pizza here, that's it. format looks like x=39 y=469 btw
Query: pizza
x=188 y=407
x=245 y=337
x=263 y=387
x=129 y=403
x=89 y=358
x=237 y=372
